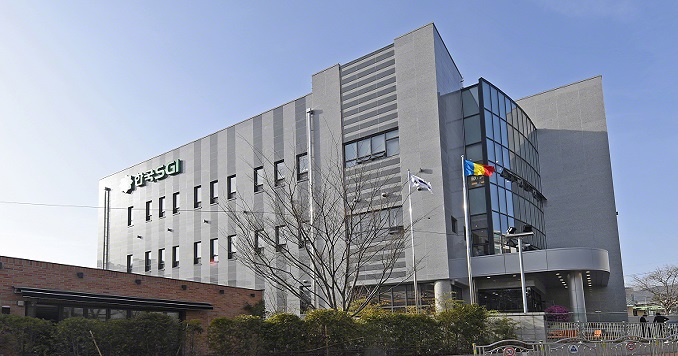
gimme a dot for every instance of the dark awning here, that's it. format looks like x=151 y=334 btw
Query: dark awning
x=110 y=300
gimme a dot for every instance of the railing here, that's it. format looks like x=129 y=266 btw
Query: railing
x=629 y=345
x=601 y=331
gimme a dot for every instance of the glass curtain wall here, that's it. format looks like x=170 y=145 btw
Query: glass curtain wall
x=497 y=132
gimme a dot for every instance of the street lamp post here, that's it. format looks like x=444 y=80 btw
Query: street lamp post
x=510 y=234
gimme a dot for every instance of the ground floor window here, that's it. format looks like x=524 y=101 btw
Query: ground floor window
x=57 y=313
x=510 y=300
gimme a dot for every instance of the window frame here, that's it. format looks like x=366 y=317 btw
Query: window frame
x=161 y=207
x=176 y=202
x=130 y=263
x=374 y=147
x=214 y=191
x=302 y=174
x=279 y=172
x=197 y=197
x=149 y=210
x=280 y=238
x=175 y=256
x=197 y=252
x=259 y=179
x=161 y=259
x=231 y=247
x=130 y=215
x=147 y=261
x=231 y=186
x=214 y=250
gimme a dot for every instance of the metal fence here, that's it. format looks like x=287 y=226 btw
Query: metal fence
x=601 y=331
x=629 y=345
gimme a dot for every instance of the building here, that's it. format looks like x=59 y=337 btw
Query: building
x=55 y=292
x=409 y=99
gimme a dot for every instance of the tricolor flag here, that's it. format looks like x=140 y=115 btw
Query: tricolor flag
x=475 y=169
x=420 y=184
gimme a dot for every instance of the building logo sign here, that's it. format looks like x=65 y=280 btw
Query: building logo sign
x=129 y=183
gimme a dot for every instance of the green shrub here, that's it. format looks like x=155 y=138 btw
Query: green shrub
x=462 y=326
x=331 y=330
x=73 y=336
x=242 y=335
x=401 y=333
x=25 y=335
x=285 y=334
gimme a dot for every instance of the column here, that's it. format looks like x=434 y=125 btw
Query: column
x=442 y=291
x=575 y=284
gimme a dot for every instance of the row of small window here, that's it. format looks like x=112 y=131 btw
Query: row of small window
x=385 y=144
x=259 y=179
x=162 y=258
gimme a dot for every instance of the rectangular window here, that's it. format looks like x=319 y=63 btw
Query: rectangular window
x=370 y=148
x=280 y=238
x=258 y=179
x=161 y=258
x=147 y=261
x=196 y=252
x=231 y=187
x=454 y=224
x=149 y=212
x=258 y=244
x=130 y=216
x=231 y=247
x=176 y=203
x=214 y=192
x=214 y=250
x=302 y=166
x=175 y=256
x=197 y=197
x=161 y=207
x=130 y=262
x=279 y=173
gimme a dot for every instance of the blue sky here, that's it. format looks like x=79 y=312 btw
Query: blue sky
x=88 y=88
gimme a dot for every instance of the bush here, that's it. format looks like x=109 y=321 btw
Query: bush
x=331 y=330
x=242 y=335
x=401 y=333
x=557 y=313
x=73 y=336
x=25 y=335
x=285 y=334
x=501 y=329
x=462 y=326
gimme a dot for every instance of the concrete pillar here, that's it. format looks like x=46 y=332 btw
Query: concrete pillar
x=575 y=283
x=442 y=291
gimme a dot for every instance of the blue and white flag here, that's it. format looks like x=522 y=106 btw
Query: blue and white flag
x=420 y=184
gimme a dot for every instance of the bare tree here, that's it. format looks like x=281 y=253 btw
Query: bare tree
x=662 y=283
x=341 y=253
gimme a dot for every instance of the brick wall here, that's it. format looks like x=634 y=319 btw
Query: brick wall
x=16 y=272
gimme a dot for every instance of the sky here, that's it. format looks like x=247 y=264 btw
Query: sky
x=88 y=88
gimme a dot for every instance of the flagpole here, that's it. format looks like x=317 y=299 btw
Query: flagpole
x=467 y=223
x=414 y=260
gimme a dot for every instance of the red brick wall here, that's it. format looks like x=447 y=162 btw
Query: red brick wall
x=16 y=272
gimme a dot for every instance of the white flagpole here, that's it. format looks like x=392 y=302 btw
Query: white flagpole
x=467 y=232
x=414 y=260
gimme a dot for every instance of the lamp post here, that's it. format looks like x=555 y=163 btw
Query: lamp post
x=510 y=234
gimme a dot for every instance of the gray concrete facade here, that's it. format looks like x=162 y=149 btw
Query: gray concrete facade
x=412 y=86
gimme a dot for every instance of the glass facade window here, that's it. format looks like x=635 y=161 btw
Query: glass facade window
x=279 y=172
x=302 y=166
x=374 y=147
x=176 y=203
x=258 y=179
x=230 y=182
x=510 y=300
x=161 y=207
x=197 y=197
x=499 y=133
x=214 y=192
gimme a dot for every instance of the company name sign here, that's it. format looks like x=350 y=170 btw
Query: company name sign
x=129 y=183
